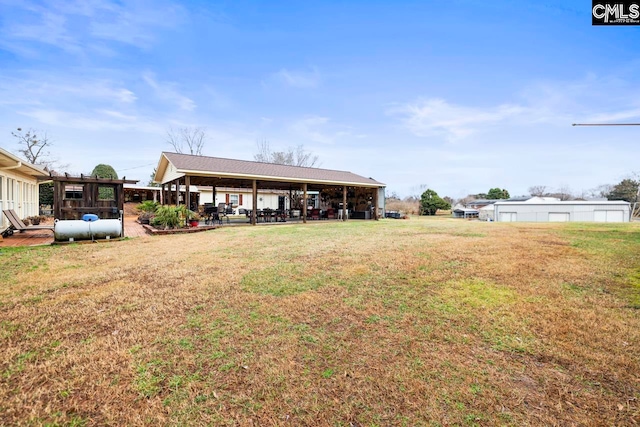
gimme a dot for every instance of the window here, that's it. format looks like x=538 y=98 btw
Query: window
x=233 y=199
x=73 y=192
x=313 y=200
x=10 y=188
x=1 y=187
x=106 y=192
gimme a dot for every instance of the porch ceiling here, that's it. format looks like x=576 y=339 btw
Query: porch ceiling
x=248 y=183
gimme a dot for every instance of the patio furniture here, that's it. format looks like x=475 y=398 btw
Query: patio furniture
x=210 y=213
x=315 y=214
x=330 y=213
x=268 y=214
x=280 y=215
x=223 y=212
x=17 y=224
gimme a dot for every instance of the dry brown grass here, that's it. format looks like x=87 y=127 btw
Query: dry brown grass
x=403 y=206
x=421 y=322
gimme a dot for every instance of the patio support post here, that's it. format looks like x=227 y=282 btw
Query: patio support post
x=375 y=204
x=254 y=202
x=304 y=203
x=344 y=203
x=187 y=192
x=177 y=181
x=290 y=200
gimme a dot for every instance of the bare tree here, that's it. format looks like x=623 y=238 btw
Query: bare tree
x=417 y=190
x=187 y=140
x=32 y=147
x=564 y=193
x=297 y=156
x=538 y=190
x=35 y=149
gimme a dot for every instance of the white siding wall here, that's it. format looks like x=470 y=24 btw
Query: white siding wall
x=170 y=174
x=530 y=212
x=206 y=195
x=269 y=200
x=18 y=192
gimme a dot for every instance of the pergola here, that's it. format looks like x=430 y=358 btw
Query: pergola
x=74 y=196
x=176 y=169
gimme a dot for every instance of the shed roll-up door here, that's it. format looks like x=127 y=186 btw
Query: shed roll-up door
x=608 y=216
x=507 y=216
x=558 y=216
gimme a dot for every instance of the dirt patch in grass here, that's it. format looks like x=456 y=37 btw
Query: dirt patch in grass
x=421 y=322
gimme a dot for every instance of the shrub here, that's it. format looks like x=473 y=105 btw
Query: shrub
x=166 y=217
x=172 y=216
x=148 y=206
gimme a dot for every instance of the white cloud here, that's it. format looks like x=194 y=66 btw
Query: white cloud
x=80 y=27
x=298 y=78
x=169 y=92
x=310 y=129
x=426 y=117
x=95 y=121
x=550 y=103
x=44 y=88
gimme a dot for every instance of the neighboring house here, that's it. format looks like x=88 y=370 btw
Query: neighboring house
x=485 y=213
x=465 y=213
x=567 y=211
x=479 y=203
x=19 y=189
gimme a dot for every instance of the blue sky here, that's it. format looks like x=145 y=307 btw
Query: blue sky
x=460 y=96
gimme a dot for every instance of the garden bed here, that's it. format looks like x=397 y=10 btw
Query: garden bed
x=155 y=231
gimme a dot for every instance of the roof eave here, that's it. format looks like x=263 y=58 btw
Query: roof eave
x=157 y=177
x=277 y=178
x=23 y=166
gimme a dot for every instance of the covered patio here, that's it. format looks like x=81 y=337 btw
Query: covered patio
x=342 y=193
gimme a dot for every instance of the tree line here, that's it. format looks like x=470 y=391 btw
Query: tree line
x=429 y=202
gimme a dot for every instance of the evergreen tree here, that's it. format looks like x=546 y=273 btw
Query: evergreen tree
x=497 y=193
x=104 y=171
x=430 y=202
x=626 y=190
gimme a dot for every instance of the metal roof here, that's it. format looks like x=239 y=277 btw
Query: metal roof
x=567 y=202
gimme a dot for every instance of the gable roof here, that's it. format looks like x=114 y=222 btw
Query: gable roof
x=186 y=164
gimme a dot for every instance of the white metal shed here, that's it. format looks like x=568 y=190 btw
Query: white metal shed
x=568 y=211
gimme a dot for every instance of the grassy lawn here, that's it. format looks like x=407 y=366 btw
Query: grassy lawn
x=416 y=322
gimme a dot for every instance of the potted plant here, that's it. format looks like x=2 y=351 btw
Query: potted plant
x=193 y=218
x=185 y=216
